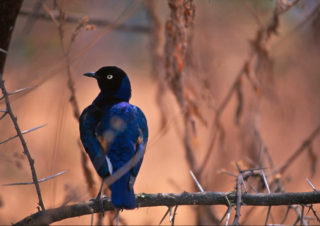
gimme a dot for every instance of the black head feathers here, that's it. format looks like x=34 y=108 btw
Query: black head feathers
x=113 y=82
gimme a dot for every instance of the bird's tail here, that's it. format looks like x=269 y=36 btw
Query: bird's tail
x=122 y=196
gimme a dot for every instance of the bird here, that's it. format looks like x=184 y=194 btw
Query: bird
x=113 y=132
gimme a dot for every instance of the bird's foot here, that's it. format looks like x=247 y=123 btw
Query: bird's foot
x=99 y=199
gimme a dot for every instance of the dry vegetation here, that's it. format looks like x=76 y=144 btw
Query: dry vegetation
x=230 y=90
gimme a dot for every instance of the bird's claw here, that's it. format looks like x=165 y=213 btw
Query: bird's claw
x=99 y=199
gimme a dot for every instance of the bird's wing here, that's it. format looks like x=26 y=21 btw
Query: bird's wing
x=89 y=119
x=122 y=132
x=140 y=144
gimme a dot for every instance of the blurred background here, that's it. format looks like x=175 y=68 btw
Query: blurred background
x=275 y=107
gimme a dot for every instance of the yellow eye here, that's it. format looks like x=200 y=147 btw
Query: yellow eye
x=109 y=76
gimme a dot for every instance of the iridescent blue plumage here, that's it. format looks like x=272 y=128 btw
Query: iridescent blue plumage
x=113 y=131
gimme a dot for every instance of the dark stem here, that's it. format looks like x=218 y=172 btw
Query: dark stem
x=23 y=142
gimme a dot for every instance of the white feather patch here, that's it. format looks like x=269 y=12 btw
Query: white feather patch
x=110 y=168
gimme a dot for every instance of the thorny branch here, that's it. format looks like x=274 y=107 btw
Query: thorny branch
x=23 y=142
x=170 y=199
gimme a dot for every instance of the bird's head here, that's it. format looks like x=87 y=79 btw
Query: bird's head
x=113 y=82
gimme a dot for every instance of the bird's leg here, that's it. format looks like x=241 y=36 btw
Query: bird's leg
x=99 y=197
x=100 y=190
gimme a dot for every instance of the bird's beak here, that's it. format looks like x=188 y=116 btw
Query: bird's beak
x=91 y=74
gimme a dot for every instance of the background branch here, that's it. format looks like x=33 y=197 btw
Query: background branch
x=98 y=22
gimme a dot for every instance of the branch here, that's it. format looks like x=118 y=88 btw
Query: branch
x=95 y=21
x=302 y=147
x=60 y=22
x=259 y=45
x=23 y=142
x=171 y=199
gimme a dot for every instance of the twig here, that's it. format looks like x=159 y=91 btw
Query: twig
x=305 y=144
x=314 y=213
x=253 y=12
x=216 y=125
x=170 y=199
x=286 y=214
x=209 y=151
x=39 y=181
x=164 y=216
x=24 y=145
x=227 y=213
x=268 y=214
x=86 y=171
x=3 y=115
x=302 y=215
x=23 y=132
x=313 y=13
x=98 y=22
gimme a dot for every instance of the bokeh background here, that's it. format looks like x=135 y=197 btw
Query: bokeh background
x=288 y=110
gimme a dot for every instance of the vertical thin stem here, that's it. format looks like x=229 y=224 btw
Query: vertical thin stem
x=23 y=142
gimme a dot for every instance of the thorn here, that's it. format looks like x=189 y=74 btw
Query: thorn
x=311 y=185
x=228 y=215
x=164 y=216
x=197 y=182
x=21 y=90
x=3 y=51
x=265 y=181
x=39 y=181
x=170 y=215
x=3 y=115
x=23 y=132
